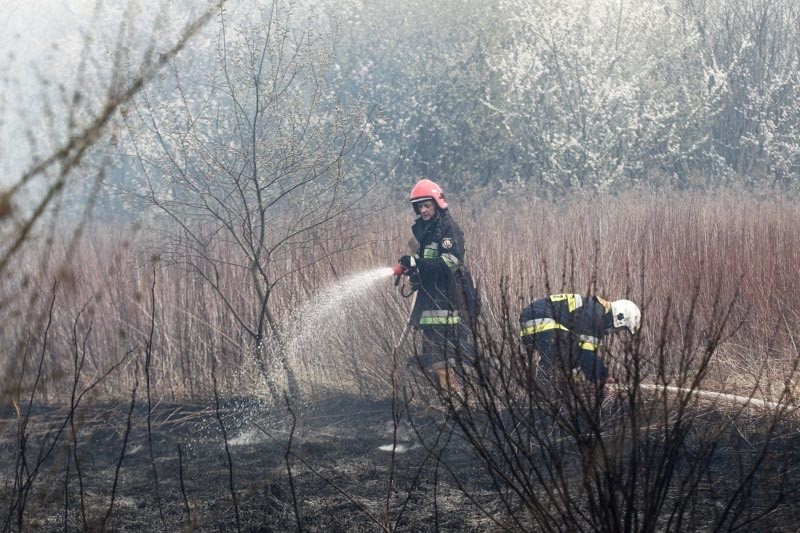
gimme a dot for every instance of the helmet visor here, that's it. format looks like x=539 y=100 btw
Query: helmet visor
x=416 y=201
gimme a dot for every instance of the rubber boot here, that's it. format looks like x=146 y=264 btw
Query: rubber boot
x=443 y=382
x=449 y=385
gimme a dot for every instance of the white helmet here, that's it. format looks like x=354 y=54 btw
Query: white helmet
x=626 y=314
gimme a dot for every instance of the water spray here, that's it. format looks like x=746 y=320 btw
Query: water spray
x=321 y=316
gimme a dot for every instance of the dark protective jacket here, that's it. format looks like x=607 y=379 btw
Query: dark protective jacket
x=582 y=319
x=442 y=278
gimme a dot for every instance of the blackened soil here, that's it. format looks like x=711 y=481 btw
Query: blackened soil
x=244 y=466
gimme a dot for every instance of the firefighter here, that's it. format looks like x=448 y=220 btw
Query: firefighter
x=445 y=302
x=566 y=330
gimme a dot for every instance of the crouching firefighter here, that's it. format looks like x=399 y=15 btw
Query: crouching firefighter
x=566 y=330
x=446 y=301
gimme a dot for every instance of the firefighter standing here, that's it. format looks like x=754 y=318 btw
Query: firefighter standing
x=445 y=301
x=566 y=330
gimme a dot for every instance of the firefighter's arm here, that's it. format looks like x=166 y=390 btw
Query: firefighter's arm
x=409 y=262
x=444 y=263
x=588 y=326
x=451 y=247
x=587 y=343
x=588 y=330
x=592 y=366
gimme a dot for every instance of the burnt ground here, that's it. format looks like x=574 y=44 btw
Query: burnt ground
x=340 y=479
x=181 y=475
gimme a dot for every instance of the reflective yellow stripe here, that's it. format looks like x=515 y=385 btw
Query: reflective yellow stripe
x=531 y=327
x=439 y=316
x=574 y=301
x=587 y=342
x=429 y=253
x=451 y=261
x=440 y=312
x=430 y=320
x=586 y=345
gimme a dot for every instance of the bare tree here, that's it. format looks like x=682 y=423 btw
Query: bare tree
x=253 y=166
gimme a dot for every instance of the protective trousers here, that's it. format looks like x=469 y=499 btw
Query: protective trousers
x=444 y=346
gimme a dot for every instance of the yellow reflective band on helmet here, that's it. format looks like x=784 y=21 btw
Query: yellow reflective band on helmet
x=532 y=327
x=439 y=316
x=574 y=301
x=451 y=261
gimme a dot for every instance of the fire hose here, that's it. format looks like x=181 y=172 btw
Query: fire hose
x=399 y=271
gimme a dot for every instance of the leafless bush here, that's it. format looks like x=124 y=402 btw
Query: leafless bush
x=655 y=453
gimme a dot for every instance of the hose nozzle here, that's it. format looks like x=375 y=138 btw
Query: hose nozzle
x=398 y=270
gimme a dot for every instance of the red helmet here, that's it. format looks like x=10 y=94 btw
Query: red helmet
x=427 y=190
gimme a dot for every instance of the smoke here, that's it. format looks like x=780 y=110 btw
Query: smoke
x=53 y=50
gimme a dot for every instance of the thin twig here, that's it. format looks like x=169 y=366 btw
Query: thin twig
x=147 y=365
x=186 y=507
x=286 y=458
x=128 y=425
x=231 y=484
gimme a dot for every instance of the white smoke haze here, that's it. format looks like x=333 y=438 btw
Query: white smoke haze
x=53 y=50
x=37 y=39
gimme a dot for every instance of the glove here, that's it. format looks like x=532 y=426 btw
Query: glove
x=408 y=261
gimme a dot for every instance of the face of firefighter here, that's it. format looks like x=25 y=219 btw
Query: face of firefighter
x=427 y=208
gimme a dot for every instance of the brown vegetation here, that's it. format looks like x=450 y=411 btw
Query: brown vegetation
x=666 y=251
x=714 y=275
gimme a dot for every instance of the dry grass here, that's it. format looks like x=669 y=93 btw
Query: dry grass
x=677 y=254
x=110 y=327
